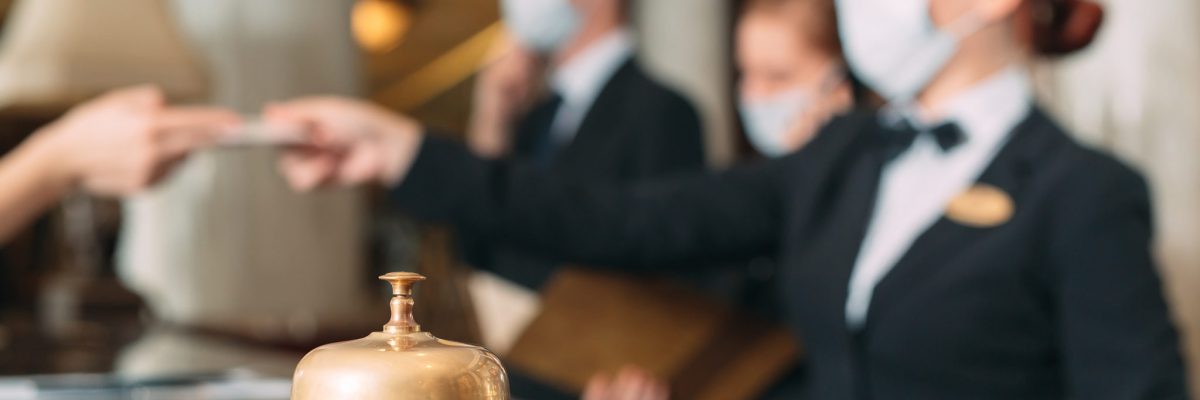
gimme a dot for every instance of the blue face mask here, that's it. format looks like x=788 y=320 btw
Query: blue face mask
x=540 y=25
x=893 y=46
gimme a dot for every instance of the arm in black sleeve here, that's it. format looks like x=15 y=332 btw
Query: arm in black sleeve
x=674 y=138
x=1117 y=336
x=707 y=218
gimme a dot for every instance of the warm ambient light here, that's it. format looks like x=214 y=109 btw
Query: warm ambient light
x=379 y=25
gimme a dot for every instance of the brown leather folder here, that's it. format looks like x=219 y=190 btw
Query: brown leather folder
x=594 y=322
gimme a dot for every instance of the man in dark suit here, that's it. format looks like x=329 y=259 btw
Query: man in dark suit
x=601 y=118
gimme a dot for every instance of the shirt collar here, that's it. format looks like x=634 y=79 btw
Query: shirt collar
x=581 y=78
x=986 y=112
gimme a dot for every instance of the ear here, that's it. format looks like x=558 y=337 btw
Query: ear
x=991 y=11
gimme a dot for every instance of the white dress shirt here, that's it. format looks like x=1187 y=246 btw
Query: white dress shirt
x=583 y=76
x=916 y=186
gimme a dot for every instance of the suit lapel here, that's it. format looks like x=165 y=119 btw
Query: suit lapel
x=836 y=220
x=934 y=250
x=597 y=124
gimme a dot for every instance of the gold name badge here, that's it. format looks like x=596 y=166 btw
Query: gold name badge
x=981 y=206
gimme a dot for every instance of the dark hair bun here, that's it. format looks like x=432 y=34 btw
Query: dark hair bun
x=1061 y=27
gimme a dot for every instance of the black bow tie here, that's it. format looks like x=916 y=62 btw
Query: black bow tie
x=897 y=140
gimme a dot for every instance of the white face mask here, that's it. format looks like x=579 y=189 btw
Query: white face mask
x=540 y=25
x=769 y=121
x=894 y=47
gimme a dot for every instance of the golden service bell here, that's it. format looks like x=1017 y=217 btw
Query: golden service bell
x=401 y=362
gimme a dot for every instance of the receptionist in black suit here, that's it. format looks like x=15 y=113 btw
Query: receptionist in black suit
x=957 y=244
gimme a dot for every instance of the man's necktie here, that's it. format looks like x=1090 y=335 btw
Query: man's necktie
x=545 y=144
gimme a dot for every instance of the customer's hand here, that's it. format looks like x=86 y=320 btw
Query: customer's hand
x=503 y=93
x=630 y=383
x=350 y=142
x=126 y=140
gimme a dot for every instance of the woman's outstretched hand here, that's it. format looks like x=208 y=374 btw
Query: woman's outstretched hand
x=126 y=140
x=115 y=145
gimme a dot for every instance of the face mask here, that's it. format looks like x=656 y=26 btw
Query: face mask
x=893 y=46
x=769 y=121
x=540 y=25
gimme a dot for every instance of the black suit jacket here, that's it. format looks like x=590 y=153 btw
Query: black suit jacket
x=1061 y=301
x=635 y=129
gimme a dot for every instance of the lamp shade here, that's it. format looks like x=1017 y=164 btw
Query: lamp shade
x=56 y=53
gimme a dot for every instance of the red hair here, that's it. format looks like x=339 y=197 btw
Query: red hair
x=1059 y=27
x=816 y=19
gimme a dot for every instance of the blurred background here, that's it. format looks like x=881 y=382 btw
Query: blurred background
x=224 y=272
